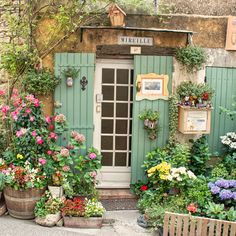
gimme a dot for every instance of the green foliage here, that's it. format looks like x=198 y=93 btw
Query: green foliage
x=215 y=211
x=139 y=187
x=71 y=72
x=2 y=181
x=179 y=155
x=192 y=57
x=155 y=212
x=173 y=118
x=154 y=158
x=230 y=112
x=229 y=162
x=149 y=115
x=219 y=171
x=39 y=82
x=16 y=59
x=199 y=155
x=199 y=192
x=231 y=214
x=47 y=205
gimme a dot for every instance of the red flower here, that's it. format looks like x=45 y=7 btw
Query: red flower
x=192 y=208
x=205 y=96
x=144 y=188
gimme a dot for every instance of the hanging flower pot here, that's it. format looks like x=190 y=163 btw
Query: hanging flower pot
x=152 y=124
x=150 y=121
x=69 y=81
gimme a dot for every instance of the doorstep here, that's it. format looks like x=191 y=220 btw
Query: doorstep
x=117 y=199
x=107 y=194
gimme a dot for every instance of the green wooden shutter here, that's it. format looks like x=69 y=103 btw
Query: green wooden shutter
x=223 y=81
x=141 y=144
x=77 y=104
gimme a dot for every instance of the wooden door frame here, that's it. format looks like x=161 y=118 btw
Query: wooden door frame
x=108 y=172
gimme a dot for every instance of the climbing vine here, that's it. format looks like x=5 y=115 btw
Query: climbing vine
x=173 y=118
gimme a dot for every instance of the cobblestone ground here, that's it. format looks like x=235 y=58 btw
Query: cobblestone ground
x=118 y=223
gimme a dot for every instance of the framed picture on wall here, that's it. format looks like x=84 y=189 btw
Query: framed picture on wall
x=152 y=86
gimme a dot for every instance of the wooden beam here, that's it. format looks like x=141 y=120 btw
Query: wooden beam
x=124 y=51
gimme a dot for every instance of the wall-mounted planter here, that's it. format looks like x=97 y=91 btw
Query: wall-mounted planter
x=194 y=120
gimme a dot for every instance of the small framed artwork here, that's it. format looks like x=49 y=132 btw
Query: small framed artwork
x=152 y=86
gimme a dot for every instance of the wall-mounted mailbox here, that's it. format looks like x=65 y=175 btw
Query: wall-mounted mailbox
x=194 y=120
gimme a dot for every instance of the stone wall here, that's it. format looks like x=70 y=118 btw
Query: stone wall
x=203 y=7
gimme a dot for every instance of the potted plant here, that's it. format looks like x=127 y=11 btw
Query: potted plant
x=192 y=57
x=70 y=74
x=150 y=119
x=48 y=210
x=79 y=213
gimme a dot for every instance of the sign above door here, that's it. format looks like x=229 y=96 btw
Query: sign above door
x=126 y=40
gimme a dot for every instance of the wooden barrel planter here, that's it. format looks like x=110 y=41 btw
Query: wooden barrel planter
x=21 y=203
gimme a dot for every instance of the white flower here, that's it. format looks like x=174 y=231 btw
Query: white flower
x=182 y=170
x=170 y=178
x=179 y=179
x=191 y=175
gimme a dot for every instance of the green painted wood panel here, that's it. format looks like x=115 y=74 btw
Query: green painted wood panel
x=223 y=81
x=77 y=104
x=141 y=144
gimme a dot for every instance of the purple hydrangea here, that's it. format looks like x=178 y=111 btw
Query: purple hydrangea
x=225 y=194
x=234 y=196
x=210 y=185
x=232 y=183
x=215 y=189
x=222 y=183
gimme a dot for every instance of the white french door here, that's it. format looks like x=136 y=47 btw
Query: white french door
x=113 y=94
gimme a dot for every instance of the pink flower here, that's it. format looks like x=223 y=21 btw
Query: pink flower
x=28 y=110
x=23 y=104
x=49 y=152
x=92 y=155
x=65 y=168
x=52 y=135
x=30 y=97
x=60 y=118
x=14 y=115
x=93 y=174
x=48 y=119
x=51 y=127
x=39 y=140
x=32 y=118
x=21 y=132
x=34 y=133
x=15 y=92
x=2 y=92
x=5 y=109
x=65 y=152
x=42 y=161
x=36 y=102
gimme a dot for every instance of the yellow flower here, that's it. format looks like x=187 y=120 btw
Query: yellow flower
x=19 y=156
x=149 y=175
x=164 y=177
x=152 y=169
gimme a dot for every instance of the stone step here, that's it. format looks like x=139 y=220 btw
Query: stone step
x=109 y=194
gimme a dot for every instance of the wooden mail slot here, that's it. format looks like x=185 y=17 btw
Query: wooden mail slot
x=194 y=120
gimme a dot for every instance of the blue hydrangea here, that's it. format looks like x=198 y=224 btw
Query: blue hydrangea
x=222 y=183
x=210 y=185
x=215 y=189
x=225 y=194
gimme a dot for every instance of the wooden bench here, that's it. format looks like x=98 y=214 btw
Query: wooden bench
x=187 y=225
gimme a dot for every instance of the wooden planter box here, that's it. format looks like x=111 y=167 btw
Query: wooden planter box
x=194 y=120
x=183 y=224
x=83 y=222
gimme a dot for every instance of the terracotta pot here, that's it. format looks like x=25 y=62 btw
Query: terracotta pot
x=83 y=222
x=21 y=203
